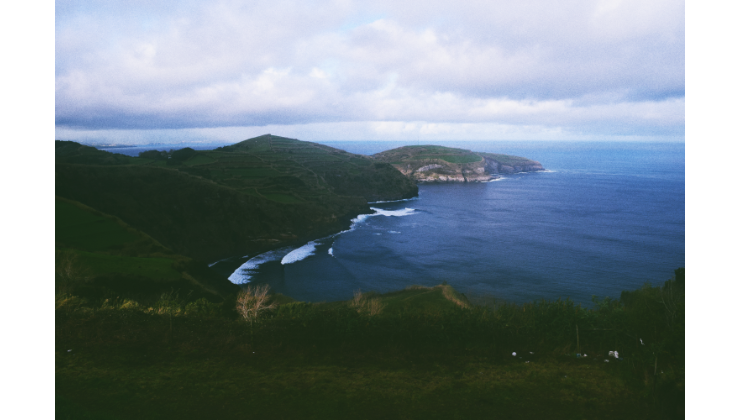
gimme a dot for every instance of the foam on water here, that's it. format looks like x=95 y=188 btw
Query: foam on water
x=288 y=256
x=394 y=201
x=404 y=212
x=299 y=254
x=378 y=212
x=249 y=268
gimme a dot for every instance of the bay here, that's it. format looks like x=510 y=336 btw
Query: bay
x=603 y=218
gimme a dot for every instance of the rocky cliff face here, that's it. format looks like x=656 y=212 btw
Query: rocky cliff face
x=445 y=164
x=492 y=166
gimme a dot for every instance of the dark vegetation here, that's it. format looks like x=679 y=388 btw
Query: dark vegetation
x=241 y=199
x=417 y=353
x=99 y=256
x=429 y=154
x=144 y=329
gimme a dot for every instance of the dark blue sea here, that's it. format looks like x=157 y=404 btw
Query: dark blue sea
x=603 y=218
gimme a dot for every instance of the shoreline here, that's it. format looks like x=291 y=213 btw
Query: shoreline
x=283 y=251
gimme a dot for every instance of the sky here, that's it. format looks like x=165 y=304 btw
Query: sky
x=138 y=72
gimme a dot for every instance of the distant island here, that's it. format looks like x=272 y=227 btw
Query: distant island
x=447 y=164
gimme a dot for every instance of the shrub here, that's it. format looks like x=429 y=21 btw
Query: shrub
x=365 y=305
x=252 y=301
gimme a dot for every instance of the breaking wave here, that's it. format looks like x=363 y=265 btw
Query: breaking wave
x=394 y=201
x=289 y=255
x=249 y=268
x=378 y=212
x=300 y=253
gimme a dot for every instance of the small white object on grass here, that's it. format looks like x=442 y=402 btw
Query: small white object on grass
x=606 y=360
x=531 y=352
x=69 y=350
x=584 y=355
x=642 y=342
x=513 y=354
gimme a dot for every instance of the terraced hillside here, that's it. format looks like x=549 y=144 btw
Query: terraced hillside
x=446 y=164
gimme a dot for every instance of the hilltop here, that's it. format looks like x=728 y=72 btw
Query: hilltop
x=246 y=198
x=446 y=164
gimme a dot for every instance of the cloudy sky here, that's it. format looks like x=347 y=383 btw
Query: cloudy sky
x=139 y=71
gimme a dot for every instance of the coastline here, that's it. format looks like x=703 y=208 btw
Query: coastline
x=296 y=251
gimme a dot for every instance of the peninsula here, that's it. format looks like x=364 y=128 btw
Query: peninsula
x=447 y=164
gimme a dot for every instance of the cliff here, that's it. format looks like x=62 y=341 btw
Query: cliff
x=446 y=164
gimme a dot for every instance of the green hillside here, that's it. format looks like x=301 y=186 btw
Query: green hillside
x=98 y=255
x=427 y=153
x=245 y=198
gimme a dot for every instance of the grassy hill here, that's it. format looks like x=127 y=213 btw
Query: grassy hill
x=98 y=256
x=242 y=199
x=446 y=164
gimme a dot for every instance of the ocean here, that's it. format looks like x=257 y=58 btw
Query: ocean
x=605 y=217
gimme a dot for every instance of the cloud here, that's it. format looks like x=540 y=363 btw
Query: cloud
x=603 y=67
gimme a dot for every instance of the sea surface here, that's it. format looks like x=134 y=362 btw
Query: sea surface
x=603 y=218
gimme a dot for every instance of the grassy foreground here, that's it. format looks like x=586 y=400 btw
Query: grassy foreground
x=416 y=353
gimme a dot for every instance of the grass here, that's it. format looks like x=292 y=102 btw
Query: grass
x=82 y=227
x=282 y=198
x=103 y=264
x=507 y=159
x=200 y=159
x=203 y=204
x=252 y=385
x=466 y=158
x=416 y=353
